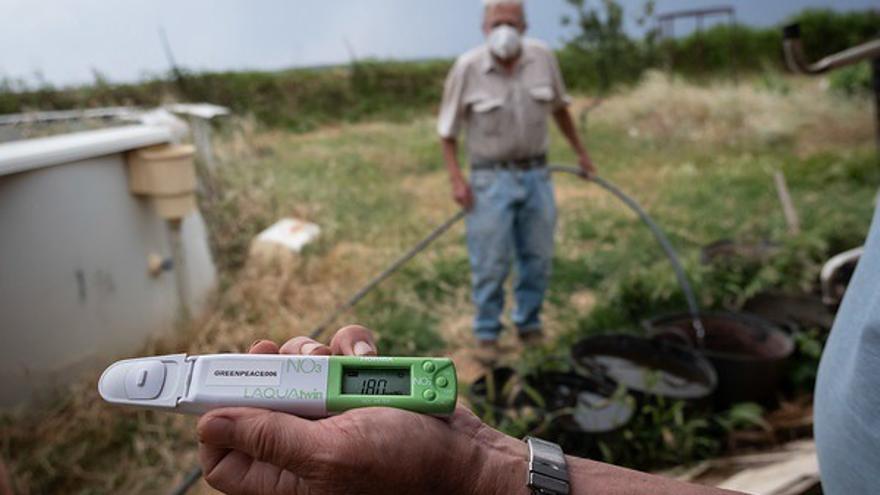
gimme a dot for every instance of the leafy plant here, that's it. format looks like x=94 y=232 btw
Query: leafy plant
x=601 y=33
x=852 y=80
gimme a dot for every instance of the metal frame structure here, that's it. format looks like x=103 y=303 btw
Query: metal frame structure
x=666 y=26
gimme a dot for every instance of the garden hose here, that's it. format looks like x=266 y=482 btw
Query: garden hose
x=418 y=248
x=661 y=238
x=194 y=475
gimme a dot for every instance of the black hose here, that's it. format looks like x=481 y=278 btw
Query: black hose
x=418 y=248
x=191 y=479
x=196 y=473
x=680 y=274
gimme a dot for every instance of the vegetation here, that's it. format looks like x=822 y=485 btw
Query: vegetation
x=600 y=57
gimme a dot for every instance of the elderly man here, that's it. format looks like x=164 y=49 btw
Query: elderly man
x=501 y=93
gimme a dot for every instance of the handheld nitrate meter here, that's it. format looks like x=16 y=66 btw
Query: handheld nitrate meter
x=308 y=386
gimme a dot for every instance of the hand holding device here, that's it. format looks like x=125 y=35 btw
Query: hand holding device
x=372 y=450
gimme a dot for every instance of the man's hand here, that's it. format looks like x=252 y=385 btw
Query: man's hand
x=364 y=451
x=566 y=126
x=461 y=192
x=586 y=165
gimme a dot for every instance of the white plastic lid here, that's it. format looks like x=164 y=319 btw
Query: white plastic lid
x=155 y=381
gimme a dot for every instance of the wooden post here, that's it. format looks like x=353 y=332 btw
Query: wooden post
x=788 y=209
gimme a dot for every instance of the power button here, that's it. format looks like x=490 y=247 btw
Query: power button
x=144 y=380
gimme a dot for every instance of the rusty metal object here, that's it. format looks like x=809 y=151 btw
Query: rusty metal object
x=650 y=367
x=580 y=403
x=749 y=353
x=792 y=312
x=666 y=27
x=797 y=62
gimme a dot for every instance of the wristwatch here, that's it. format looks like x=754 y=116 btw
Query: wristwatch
x=548 y=474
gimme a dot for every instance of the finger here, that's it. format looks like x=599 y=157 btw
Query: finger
x=305 y=346
x=263 y=347
x=277 y=438
x=354 y=340
x=236 y=472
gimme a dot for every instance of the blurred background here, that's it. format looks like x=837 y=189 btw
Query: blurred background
x=147 y=147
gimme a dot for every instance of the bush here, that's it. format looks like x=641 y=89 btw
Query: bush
x=852 y=80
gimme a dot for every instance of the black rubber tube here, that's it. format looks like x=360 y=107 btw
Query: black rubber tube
x=393 y=267
x=661 y=238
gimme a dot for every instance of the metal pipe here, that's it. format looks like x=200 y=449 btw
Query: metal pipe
x=830 y=269
x=797 y=60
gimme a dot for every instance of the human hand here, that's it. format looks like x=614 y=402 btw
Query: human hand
x=461 y=192
x=364 y=451
x=586 y=164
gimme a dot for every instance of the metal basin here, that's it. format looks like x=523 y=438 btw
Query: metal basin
x=651 y=367
x=791 y=311
x=570 y=401
x=749 y=353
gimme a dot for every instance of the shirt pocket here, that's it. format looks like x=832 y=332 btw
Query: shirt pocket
x=540 y=101
x=486 y=113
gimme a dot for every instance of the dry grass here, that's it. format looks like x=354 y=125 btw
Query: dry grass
x=776 y=111
x=375 y=188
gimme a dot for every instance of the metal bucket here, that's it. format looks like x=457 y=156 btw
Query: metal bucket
x=749 y=353
x=794 y=312
x=651 y=367
x=569 y=401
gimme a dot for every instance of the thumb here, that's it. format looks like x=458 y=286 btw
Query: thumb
x=277 y=438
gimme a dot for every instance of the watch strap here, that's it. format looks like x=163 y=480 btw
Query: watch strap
x=548 y=472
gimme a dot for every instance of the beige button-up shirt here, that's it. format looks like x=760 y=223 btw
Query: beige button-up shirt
x=504 y=114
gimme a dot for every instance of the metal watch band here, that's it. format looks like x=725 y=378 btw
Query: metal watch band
x=548 y=473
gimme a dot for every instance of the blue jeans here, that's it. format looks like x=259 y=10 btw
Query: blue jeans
x=514 y=217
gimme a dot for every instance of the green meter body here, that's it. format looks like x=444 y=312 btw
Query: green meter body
x=425 y=385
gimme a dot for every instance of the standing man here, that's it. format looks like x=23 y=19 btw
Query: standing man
x=501 y=94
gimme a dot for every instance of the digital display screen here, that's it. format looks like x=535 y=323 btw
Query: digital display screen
x=363 y=381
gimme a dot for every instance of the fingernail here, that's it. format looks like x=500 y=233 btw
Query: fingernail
x=308 y=348
x=363 y=349
x=217 y=430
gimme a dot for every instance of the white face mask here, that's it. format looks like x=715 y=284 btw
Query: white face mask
x=505 y=42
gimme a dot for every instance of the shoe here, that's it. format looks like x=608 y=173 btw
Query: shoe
x=531 y=338
x=487 y=352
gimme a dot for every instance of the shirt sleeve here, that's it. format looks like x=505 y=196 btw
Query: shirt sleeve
x=560 y=94
x=452 y=109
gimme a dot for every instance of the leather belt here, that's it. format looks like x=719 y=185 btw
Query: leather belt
x=521 y=164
